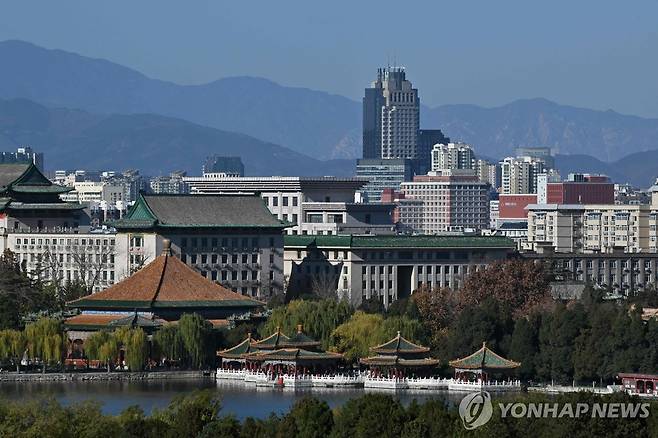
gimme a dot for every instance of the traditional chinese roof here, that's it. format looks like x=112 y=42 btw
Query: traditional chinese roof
x=300 y=340
x=165 y=283
x=399 y=345
x=273 y=341
x=399 y=361
x=23 y=186
x=240 y=351
x=294 y=354
x=198 y=211
x=484 y=358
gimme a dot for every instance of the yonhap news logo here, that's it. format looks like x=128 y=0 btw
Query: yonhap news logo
x=476 y=410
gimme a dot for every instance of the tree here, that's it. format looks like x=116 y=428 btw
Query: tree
x=437 y=310
x=12 y=346
x=372 y=305
x=45 y=340
x=372 y=415
x=309 y=417
x=318 y=318
x=519 y=284
x=187 y=415
x=197 y=339
x=169 y=343
x=325 y=284
x=102 y=346
x=19 y=295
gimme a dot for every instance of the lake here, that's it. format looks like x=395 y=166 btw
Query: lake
x=240 y=399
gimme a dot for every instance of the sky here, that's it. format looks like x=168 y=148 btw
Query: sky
x=593 y=54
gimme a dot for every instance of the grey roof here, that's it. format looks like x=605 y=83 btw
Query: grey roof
x=10 y=172
x=210 y=210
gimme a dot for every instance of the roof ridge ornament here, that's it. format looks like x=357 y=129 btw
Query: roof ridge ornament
x=166 y=247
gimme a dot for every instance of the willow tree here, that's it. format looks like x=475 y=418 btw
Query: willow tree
x=169 y=343
x=109 y=351
x=12 y=346
x=94 y=343
x=45 y=340
x=136 y=349
x=196 y=334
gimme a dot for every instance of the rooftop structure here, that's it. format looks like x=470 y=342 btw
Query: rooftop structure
x=399 y=354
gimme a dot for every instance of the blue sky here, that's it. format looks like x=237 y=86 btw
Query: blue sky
x=595 y=54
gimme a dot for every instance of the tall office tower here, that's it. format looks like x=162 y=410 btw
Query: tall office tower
x=391 y=112
x=452 y=156
x=231 y=166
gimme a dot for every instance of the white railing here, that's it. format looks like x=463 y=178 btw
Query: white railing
x=490 y=385
x=230 y=374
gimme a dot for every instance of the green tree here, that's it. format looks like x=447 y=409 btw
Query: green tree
x=224 y=427
x=12 y=346
x=373 y=415
x=196 y=334
x=524 y=346
x=309 y=417
x=318 y=318
x=188 y=414
x=169 y=343
x=45 y=341
x=19 y=295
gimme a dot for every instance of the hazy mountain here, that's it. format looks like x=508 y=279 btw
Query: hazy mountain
x=639 y=169
x=539 y=122
x=152 y=143
x=314 y=123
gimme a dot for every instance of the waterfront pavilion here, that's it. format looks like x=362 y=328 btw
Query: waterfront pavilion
x=398 y=358
x=279 y=354
x=481 y=364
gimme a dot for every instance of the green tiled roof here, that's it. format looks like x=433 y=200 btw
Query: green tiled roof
x=275 y=340
x=19 y=180
x=399 y=345
x=46 y=206
x=425 y=241
x=199 y=211
x=482 y=359
x=398 y=361
x=294 y=354
x=54 y=188
x=239 y=351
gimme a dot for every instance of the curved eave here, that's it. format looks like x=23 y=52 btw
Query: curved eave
x=41 y=189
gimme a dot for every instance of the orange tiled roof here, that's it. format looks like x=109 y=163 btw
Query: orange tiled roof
x=166 y=281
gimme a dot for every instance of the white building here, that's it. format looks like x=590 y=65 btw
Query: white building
x=452 y=156
x=519 y=174
x=434 y=204
x=322 y=205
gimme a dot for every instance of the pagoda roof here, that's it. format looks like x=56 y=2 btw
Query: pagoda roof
x=399 y=361
x=273 y=341
x=19 y=180
x=300 y=339
x=240 y=351
x=399 y=345
x=294 y=354
x=484 y=358
x=198 y=211
x=165 y=283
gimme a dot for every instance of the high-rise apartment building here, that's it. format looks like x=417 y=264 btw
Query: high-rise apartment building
x=391 y=113
x=519 y=174
x=488 y=172
x=452 y=156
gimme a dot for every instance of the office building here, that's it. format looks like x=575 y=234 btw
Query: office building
x=358 y=268
x=231 y=239
x=382 y=174
x=489 y=173
x=581 y=189
x=23 y=155
x=172 y=184
x=391 y=113
x=539 y=153
x=434 y=204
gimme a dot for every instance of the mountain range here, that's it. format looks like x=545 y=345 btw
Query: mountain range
x=154 y=144
x=296 y=122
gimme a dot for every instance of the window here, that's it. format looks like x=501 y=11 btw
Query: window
x=294 y=201
x=285 y=201
x=275 y=201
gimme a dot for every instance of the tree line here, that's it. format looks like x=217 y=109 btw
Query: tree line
x=199 y=415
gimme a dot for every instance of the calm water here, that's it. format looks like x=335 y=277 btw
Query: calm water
x=239 y=399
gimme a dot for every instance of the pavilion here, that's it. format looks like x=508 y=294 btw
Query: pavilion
x=156 y=295
x=480 y=364
x=397 y=357
x=279 y=354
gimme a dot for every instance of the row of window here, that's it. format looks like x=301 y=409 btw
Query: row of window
x=63 y=241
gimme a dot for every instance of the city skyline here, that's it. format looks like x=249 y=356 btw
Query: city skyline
x=495 y=58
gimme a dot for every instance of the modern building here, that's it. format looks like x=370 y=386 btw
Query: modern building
x=581 y=189
x=387 y=267
x=391 y=115
x=489 y=173
x=452 y=156
x=427 y=138
x=540 y=153
x=311 y=205
x=593 y=228
x=434 y=204
x=53 y=238
x=231 y=239
x=23 y=155
x=171 y=185
x=230 y=166
x=383 y=174
x=519 y=174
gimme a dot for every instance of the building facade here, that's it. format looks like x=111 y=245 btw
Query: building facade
x=434 y=204
x=388 y=267
x=382 y=174
x=230 y=239
x=452 y=156
x=519 y=174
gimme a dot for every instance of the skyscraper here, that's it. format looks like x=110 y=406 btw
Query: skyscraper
x=391 y=112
